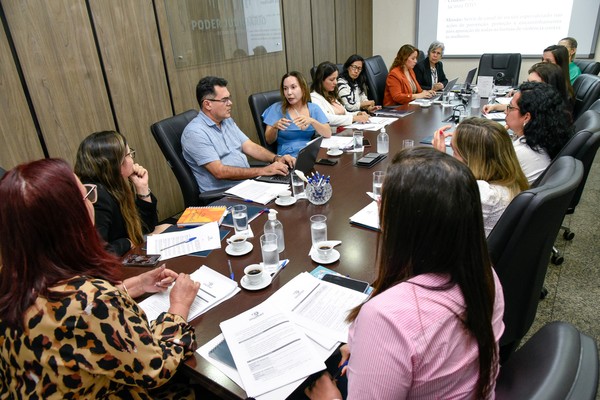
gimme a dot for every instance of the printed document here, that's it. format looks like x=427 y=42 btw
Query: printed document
x=269 y=350
x=215 y=288
x=258 y=192
x=174 y=244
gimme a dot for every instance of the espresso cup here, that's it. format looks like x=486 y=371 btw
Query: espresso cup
x=324 y=250
x=285 y=196
x=254 y=274
x=237 y=242
x=334 y=149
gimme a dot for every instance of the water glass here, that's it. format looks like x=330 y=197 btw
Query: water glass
x=298 y=187
x=378 y=177
x=318 y=228
x=240 y=218
x=357 y=139
x=270 y=254
x=408 y=143
x=446 y=98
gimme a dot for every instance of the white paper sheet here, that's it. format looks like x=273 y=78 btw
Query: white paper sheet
x=367 y=217
x=174 y=244
x=215 y=288
x=340 y=141
x=256 y=191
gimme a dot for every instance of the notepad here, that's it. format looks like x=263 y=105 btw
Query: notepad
x=196 y=216
x=368 y=217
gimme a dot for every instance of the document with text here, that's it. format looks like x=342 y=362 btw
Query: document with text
x=258 y=192
x=174 y=244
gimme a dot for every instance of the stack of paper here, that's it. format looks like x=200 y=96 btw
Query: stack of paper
x=258 y=192
x=368 y=217
x=215 y=288
x=174 y=244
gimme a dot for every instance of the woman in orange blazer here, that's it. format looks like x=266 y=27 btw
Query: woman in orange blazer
x=401 y=86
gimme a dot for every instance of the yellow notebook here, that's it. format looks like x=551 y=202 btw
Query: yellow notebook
x=195 y=216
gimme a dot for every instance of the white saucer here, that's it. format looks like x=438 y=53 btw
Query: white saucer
x=265 y=282
x=335 y=255
x=282 y=204
x=247 y=249
x=334 y=153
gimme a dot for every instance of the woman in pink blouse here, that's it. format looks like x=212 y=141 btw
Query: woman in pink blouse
x=432 y=325
x=401 y=86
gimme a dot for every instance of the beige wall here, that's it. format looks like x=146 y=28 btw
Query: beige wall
x=392 y=29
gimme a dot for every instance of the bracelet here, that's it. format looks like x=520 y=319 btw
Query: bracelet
x=125 y=288
x=275 y=158
x=144 y=196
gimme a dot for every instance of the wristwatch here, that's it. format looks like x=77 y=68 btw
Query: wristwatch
x=144 y=196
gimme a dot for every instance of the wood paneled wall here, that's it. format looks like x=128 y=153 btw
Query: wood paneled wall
x=80 y=66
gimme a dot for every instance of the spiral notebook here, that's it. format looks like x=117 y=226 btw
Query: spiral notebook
x=196 y=216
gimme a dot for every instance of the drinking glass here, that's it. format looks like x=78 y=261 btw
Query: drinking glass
x=318 y=228
x=298 y=187
x=240 y=218
x=357 y=139
x=378 y=177
x=408 y=143
x=270 y=255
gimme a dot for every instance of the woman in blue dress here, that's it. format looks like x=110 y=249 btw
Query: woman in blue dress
x=293 y=121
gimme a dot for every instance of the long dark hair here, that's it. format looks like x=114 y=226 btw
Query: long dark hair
x=430 y=197
x=361 y=81
x=561 y=56
x=325 y=69
x=47 y=236
x=553 y=75
x=550 y=126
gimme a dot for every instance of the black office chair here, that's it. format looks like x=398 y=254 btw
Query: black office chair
x=258 y=103
x=587 y=91
x=377 y=73
x=557 y=363
x=503 y=67
x=521 y=242
x=313 y=70
x=588 y=66
x=167 y=134
x=420 y=56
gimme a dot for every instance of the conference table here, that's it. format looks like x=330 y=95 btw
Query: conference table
x=358 y=248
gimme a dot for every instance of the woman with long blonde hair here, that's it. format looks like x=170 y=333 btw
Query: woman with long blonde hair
x=485 y=147
x=126 y=208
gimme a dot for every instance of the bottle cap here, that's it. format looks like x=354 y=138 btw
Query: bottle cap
x=272 y=215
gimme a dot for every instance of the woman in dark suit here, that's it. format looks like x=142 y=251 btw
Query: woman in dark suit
x=430 y=70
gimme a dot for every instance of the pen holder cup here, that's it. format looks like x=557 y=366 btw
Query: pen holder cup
x=319 y=194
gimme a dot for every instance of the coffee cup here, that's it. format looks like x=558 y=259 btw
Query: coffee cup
x=425 y=104
x=285 y=196
x=324 y=250
x=237 y=242
x=254 y=274
x=334 y=149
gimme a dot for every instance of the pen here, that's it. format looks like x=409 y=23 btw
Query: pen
x=230 y=271
x=177 y=244
x=264 y=210
x=340 y=369
x=281 y=266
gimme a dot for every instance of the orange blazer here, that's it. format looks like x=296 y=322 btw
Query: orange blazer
x=397 y=87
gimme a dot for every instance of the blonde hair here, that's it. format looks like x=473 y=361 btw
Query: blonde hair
x=99 y=160
x=487 y=150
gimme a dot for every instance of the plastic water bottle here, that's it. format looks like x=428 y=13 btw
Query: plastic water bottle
x=273 y=225
x=383 y=142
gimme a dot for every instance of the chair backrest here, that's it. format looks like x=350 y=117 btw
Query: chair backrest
x=167 y=134
x=420 y=55
x=586 y=155
x=588 y=66
x=313 y=70
x=595 y=106
x=503 y=67
x=377 y=73
x=557 y=363
x=258 y=103
x=589 y=120
x=521 y=242
x=587 y=91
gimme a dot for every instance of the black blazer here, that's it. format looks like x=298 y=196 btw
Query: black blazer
x=423 y=73
x=110 y=223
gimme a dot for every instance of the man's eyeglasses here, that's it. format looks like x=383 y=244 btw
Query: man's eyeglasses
x=356 y=68
x=510 y=107
x=131 y=153
x=224 y=100
x=91 y=192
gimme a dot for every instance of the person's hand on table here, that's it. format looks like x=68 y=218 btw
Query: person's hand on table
x=182 y=295
x=438 y=86
x=275 y=168
x=487 y=108
x=360 y=117
x=425 y=94
x=157 y=280
x=288 y=160
x=439 y=138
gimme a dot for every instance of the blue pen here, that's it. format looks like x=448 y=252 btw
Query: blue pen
x=281 y=266
x=339 y=372
x=177 y=244
x=230 y=271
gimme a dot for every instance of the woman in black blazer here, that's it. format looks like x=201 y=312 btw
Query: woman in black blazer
x=430 y=70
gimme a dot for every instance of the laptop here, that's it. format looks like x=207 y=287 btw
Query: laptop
x=468 y=81
x=304 y=162
x=449 y=86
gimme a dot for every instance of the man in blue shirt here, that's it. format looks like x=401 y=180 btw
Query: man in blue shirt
x=216 y=149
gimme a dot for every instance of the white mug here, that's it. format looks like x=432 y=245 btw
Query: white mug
x=237 y=242
x=254 y=274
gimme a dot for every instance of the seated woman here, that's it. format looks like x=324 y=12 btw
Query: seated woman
x=126 y=209
x=549 y=73
x=430 y=70
x=352 y=86
x=69 y=325
x=431 y=326
x=485 y=147
x=401 y=85
x=542 y=126
x=559 y=55
x=324 y=93
x=293 y=122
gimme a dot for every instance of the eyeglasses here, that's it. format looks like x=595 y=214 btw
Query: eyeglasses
x=356 y=68
x=510 y=107
x=92 y=192
x=224 y=100
x=439 y=53
x=131 y=153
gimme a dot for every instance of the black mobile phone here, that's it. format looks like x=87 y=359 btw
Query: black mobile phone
x=326 y=161
x=141 y=260
x=354 y=284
